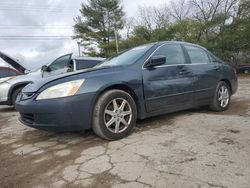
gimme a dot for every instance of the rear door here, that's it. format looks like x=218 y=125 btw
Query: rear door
x=205 y=71
x=168 y=87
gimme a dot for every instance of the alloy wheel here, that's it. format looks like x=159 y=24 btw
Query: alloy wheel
x=223 y=96
x=118 y=115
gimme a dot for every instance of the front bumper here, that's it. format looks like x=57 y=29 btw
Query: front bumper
x=64 y=114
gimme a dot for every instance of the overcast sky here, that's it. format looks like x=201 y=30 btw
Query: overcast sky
x=45 y=18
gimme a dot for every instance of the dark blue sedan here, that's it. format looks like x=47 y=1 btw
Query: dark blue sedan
x=145 y=81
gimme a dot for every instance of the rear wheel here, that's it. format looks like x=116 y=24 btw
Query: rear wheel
x=222 y=98
x=114 y=115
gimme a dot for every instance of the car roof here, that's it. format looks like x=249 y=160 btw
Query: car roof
x=180 y=42
x=89 y=58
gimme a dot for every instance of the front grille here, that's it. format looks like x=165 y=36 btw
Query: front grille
x=27 y=118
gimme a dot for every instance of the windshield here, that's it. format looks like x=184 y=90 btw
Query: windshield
x=126 y=58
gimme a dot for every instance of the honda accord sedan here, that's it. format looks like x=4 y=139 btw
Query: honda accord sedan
x=142 y=82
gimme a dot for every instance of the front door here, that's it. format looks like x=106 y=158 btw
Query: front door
x=168 y=87
x=59 y=66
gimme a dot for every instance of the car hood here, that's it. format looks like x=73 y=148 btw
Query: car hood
x=32 y=76
x=36 y=85
x=12 y=62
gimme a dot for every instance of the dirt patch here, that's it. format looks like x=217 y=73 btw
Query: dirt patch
x=16 y=173
x=226 y=141
x=238 y=107
x=156 y=122
x=234 y=131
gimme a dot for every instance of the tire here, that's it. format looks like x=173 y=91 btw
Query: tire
x=246 y=72
x=107 y=115
x=15 y=94
x=217 y=104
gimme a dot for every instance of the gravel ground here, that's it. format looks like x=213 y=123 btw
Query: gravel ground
x=194 y=148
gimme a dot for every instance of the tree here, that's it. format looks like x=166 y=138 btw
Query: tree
x=222 y=26
x=153 y=17
x=98 y=25
x=212 y=16
x=129 y=26
x=235 y=40
x=179 y=10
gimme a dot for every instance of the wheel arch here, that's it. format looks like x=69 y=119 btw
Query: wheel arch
x=123 y=87
x=228 y=83
x=14 y=87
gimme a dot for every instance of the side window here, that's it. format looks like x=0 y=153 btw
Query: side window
x=60 y=63
x=4 y=73
x=85 y=64
x=197 y=55
x=213 y=58
x=172 y=52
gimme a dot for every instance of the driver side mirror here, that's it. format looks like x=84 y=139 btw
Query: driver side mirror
x=156 y=61
x=45 y=68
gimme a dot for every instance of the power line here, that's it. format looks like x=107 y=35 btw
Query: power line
x=58 y=13
x=45 y=28
x=38 y=7
x=45 y=25
x=33 y=36
x=11 y=6
x=34 y=39
x=30 y=8
x=40 y=10
x=29 y=12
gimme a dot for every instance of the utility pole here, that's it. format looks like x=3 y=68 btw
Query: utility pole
x=116 y=42
x=79 y=48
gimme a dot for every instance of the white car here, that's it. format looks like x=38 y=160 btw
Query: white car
x=11 y=87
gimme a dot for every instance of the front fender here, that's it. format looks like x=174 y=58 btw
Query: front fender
x=14 y=87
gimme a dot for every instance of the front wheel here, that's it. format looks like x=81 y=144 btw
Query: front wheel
x=222 y=97
x=15 y=94
x=115 y=115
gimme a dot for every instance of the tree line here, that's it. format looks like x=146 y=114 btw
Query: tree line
x=222 y=26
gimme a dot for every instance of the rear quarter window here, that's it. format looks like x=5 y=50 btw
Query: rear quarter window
x=197 y=55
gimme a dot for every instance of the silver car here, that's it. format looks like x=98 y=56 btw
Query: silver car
x=11 y=87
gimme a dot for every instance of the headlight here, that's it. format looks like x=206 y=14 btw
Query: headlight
x=61 y=90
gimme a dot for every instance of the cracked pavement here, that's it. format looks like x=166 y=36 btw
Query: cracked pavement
x=194 y=148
